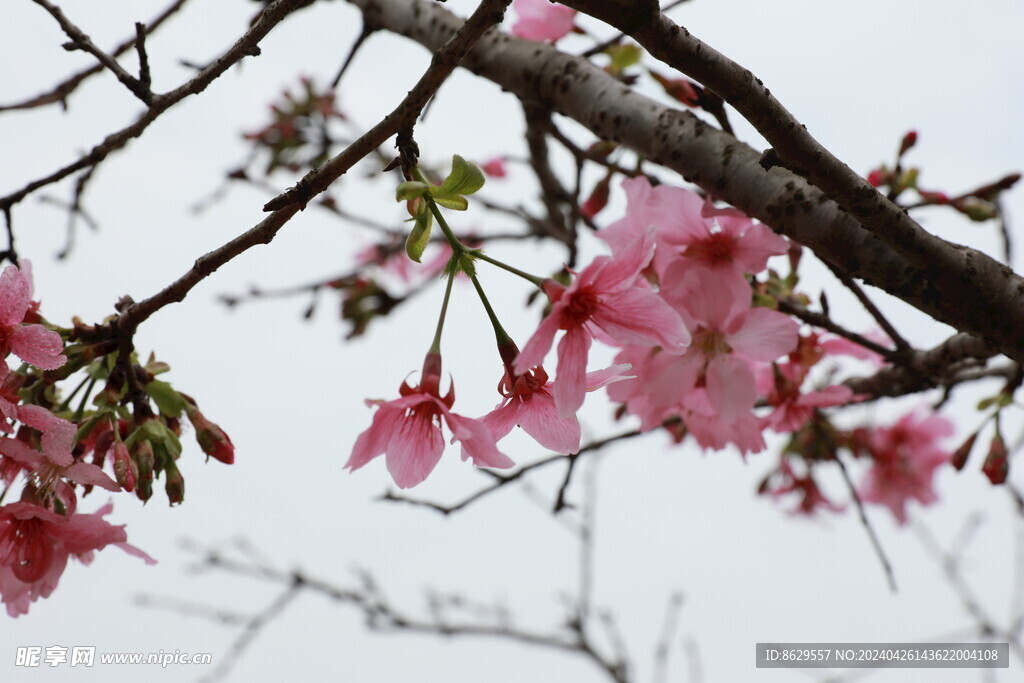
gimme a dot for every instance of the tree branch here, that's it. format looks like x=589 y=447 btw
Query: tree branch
x=60 y=92
x=954 y=284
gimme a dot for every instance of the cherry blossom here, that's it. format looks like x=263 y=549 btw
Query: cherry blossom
x=529 y=403
x=542 y=20
x=904 y=459
x=54 y=461
x=604 y=300
x=35 y=544
x=33 y=343
x=407 y=431
x=691 y=230
x=495 y=167
x=781 y=383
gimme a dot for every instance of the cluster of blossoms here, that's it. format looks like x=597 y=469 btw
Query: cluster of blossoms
x=696 y=356
x=53 y=457
x=40 y=532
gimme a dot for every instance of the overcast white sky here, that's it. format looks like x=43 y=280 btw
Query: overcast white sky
x=291 y=394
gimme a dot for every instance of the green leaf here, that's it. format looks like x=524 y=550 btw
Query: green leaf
x=419 y=236
x=167 y=399
x=456 y=203
x=410 y=190
x=623 y=56
x=465 y=178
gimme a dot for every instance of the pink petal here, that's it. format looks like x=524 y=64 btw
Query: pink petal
x=85 y=533
x=15 y=294
x=20 y=451
x=639 y=317
x=731 y=387
x=541 y=20
x=132 y=550
x=38 y=346
x=540 y=343
x=58 y=434
x=669 y=378
x=477 y=442
x=414 y=450
x=764 y=335
x=502 y=419
x=602 y=378
x=374 y=440
x=569 y=388
x=711 y=299
x=90 y=475
x=539 y=418
x=756 y=246
x=620 y=271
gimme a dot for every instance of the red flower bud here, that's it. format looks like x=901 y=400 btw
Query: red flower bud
x=909 y=140
x=598 y=198
x=996 y=466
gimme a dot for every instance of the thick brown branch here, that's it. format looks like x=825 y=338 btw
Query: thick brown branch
x=954 y=284
x=921 y=370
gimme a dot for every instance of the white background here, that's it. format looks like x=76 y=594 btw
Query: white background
x=291 y=394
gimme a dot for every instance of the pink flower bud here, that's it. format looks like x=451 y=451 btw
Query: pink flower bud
x=125 y=470
x=210 y=436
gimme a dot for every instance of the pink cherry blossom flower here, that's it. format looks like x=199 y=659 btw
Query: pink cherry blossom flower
x=495 y=167
x=780 y=384
x=529 y=403
x=605 y=300
x=541 y=20
x=407 y=431
x=34 y=344
x=35 y=544
x=691 y=230
x=55 y=460
x=729 y=338
x=904 y=459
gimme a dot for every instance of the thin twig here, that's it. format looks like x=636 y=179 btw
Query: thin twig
x=862 y=297
x=502 y=480
x=60 y=92
x=875 y=542
x=286 y=205
x=247 y=45
x=80 y=41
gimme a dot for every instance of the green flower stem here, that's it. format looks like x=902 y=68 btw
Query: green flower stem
x=85 y=397
x=459 y=248
x=538 y=281
x=500 y=335
x=435 y=347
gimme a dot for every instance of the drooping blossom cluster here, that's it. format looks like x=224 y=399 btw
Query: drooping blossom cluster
x=681 y=298
x=40 y=532
x=407 y=431
x=56 y=459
